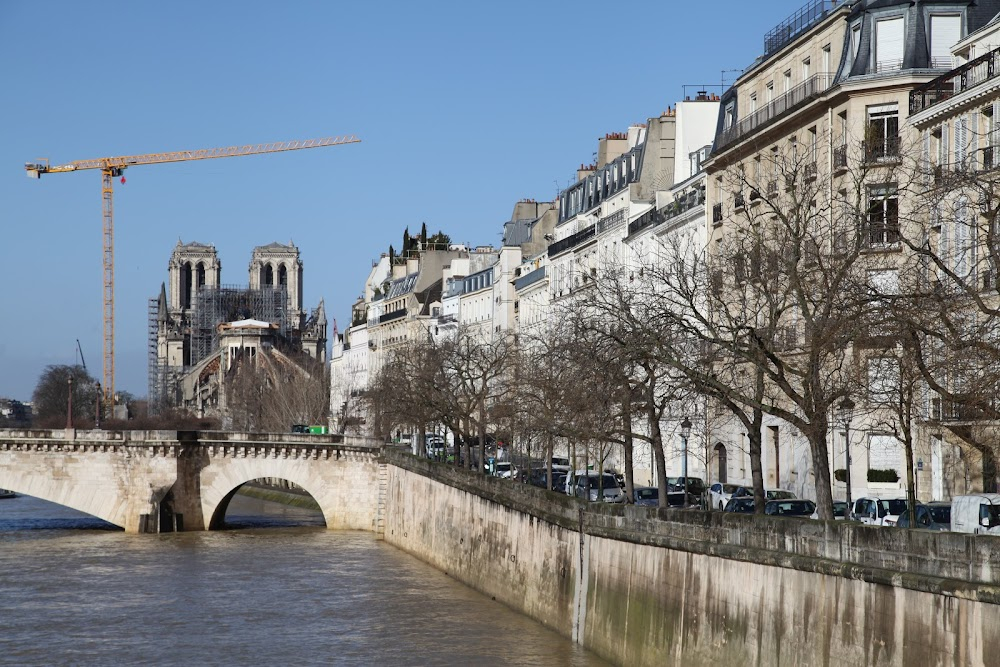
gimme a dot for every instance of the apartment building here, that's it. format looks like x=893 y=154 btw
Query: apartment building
x=818 y=125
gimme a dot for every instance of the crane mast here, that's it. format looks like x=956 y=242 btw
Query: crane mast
x=113 y=167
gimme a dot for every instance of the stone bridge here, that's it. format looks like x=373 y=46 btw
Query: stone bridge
x=161 y=481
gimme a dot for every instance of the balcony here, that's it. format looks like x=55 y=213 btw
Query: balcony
x=840 y=157
x=883 y=236
x=885 y=149
x=794 y=99
x=969 y=75
x=572 y=241
x=688 y=201
x=394 y=315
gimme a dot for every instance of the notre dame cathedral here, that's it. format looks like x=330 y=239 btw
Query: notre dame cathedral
x=201 y=330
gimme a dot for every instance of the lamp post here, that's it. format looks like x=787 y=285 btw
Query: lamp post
x=685 y=432
x=846 y=410
x=97 y=408
x=69 y=403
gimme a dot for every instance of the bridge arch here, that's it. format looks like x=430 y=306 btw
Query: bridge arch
x=216 y=520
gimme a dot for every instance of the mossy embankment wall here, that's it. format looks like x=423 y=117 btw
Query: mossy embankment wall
x=644 y=586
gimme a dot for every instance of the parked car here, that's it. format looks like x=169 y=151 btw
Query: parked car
x=930 y=516
x=742 y=505
x=792 y=507
x=769 y=494
x=879 y=511
x=648 y=496
x=719 y=494
x=505 y=469
x=839 y=510
x=595 y=486
x=695 y=485
x=976 y=513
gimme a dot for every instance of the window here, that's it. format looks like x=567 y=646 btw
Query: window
x=753 y=102
x=961 y=141
x=855 y=40
x=788 y=81
x=826 y=59
x=806 y=66
x=963 y=260
x=889 y=43
x=730 y=115
x=946 y=30
x=882 y=140
x=883 y=216
x=769 y=92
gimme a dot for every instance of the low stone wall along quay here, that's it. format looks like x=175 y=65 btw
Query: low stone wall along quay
x=645 y=586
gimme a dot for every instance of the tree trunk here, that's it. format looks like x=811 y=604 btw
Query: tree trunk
x=656 y=442
x=422 y=441
x=816 y=435
x=756 y=436
x=629 y=447
x=911 y=490
x=482 y=437
x=548 y=460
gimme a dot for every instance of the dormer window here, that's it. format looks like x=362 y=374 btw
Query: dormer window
x=946 y=30
x=889 y=44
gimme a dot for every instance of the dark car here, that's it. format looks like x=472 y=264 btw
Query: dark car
x=648 y=496
x=794 y=507
x=695 y=485
x=740 y=505
x=930 y=516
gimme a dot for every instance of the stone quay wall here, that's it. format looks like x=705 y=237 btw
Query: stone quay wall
x=645 y=586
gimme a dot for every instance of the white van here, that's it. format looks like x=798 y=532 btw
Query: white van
x=879 y=511
x=977 y=513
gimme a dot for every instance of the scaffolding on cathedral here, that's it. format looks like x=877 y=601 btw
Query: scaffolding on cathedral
x=212 y=306
x=228 y=303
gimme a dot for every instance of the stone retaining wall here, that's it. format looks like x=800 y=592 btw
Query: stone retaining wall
x=644 y=586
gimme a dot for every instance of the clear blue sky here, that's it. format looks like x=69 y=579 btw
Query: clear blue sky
x=463 y=108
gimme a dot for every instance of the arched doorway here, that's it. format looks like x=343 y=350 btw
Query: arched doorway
x=723 y=460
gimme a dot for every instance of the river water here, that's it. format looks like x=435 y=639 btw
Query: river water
x=275 y=589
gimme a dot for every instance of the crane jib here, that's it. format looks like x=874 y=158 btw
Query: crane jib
x=36 y=169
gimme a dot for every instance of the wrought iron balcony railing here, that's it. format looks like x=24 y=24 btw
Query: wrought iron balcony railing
x=572 y=241
x=960 y=79
x=795 y=98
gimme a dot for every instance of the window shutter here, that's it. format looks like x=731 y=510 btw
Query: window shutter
x=974 y=141
x=960 y=142
x=995 y=134
x=945 y=156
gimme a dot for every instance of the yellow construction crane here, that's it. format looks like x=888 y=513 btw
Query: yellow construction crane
x=113 y=167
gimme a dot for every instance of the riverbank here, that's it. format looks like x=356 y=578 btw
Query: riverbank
x=284 y=496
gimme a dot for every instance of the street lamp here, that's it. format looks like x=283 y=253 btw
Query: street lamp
x=846 y=410
x=69 y=404
x=97 y=408
x=685 y=432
